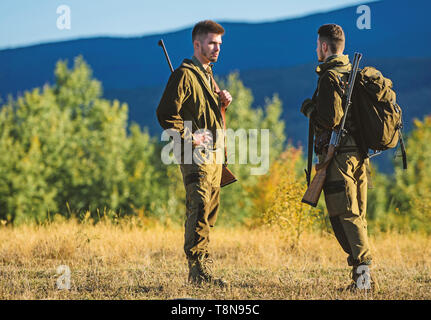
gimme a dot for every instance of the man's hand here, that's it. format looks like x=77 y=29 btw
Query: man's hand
x=225 y=98
x=307 y=107
x=203 y=139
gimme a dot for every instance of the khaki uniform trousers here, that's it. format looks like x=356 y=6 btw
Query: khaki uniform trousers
x=202 y=185
x=345 y=193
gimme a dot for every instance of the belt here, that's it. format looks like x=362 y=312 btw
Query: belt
x=348 y=149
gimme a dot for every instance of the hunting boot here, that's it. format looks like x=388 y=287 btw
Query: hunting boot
x=363 y=279
x=199 y=271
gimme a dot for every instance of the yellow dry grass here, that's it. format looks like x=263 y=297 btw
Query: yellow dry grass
x=128 y=261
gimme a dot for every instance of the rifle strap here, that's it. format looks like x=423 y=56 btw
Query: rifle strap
x=223 y=114
x=222 y=109
x=310 y=151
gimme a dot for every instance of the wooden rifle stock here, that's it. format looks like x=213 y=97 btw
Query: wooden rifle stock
x=227 y=177
x=313 y=192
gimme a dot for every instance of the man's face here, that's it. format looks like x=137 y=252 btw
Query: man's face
x=319 y=51
x=209 y=47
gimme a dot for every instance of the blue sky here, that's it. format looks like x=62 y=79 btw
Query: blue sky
x=24 y=22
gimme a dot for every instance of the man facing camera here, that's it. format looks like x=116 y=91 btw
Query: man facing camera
x=191 y=96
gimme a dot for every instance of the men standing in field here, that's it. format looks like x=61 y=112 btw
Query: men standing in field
x=190 y=97
x=345 y=187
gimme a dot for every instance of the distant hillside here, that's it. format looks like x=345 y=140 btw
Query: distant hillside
x=399 y=30
x=274 y=57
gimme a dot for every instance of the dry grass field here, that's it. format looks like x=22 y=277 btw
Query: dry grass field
x=128 y=261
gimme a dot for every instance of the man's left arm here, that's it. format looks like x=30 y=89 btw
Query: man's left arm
x=329 y=105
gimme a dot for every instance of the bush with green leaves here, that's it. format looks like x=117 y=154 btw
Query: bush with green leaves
x=66 y=150
x=410 y=192
x=237 y=198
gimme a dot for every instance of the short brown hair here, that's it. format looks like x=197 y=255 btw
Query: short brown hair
x=333 y=35
x=202 y=28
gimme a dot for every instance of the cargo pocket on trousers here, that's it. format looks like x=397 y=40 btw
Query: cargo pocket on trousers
x=193 y=177
x=336 y=197
x=195 y=185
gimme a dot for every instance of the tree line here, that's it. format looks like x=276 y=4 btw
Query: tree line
x=67 y=151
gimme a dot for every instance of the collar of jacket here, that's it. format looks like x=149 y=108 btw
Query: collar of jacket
x=187 y=63
x=201 y=67
x=335 y=61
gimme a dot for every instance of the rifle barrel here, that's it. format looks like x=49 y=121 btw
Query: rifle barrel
x=351 y=83
x=162 y=44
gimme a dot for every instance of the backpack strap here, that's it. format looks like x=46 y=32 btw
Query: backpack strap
x=403 y=149
x=340 y=85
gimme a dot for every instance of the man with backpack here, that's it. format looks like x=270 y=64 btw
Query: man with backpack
x=345 y=187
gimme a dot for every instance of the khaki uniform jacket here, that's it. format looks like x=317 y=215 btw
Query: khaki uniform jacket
x=188 y=96
x=328 y=100
x=329 y=106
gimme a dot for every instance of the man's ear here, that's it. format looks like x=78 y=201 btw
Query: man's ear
x=324 y=47
x=196 y=44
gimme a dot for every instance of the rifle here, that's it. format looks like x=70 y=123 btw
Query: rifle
x=310 y=153
x=314 y=190
x=227 y=176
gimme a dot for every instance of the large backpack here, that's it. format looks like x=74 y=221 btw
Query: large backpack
x=376 y=113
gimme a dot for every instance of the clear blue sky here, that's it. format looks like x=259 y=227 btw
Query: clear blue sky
x=24 y=22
